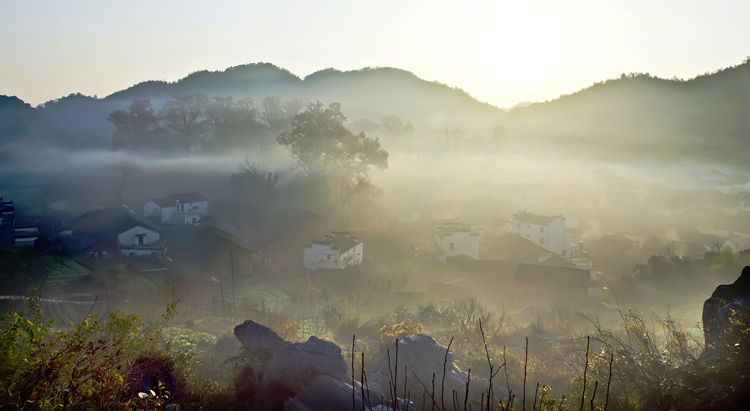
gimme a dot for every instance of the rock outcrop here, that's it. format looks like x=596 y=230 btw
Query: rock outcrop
x=298 y=376
x=726 y=302
x=420 y=356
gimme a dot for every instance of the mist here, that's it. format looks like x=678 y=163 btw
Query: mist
x=371 y=206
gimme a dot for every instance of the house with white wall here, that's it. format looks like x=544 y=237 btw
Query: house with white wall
x=550 y=233
x=336 y=251
x=112 y=232
x=455 y=239
x=185 y=208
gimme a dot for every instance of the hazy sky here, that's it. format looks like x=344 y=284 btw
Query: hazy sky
x=502 y=52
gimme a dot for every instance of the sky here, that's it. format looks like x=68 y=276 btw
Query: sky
x=501 y=52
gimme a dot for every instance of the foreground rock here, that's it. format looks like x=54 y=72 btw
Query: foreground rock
x=418 y=358
x=726 y=303
x=297 y=376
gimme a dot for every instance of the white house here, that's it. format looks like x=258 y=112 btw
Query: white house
x=550 y=233
x=111 y=232
x=455 y=239
x=137 y=240
x=185 y=208
x=335 y=251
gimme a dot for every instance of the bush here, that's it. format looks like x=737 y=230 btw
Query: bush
x=84 y=365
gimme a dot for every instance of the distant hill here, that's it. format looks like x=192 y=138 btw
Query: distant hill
x=644 y=116
x=19 y=122
x=366 y=93
x=636 y=116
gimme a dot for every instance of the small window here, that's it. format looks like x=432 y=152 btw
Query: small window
x=528 y=225
x=451 y=246
x=541 y=241
x=518 y=225
x=565 y=252
x=541 y=229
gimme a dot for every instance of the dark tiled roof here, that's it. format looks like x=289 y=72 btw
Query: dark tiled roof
x=93 y=226
x=170 y=200
x=187 y=197
x=163 y=202
x=532 y=219
x=342 y=243
x=552 y=276
x=733 y=224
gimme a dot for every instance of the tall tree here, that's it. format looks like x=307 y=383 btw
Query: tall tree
x=186 y=116
x=233 y=122
x=278 y=115
x=323 y=146
x=135 y=125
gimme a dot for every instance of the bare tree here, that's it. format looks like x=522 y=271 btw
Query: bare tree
x=125 y=170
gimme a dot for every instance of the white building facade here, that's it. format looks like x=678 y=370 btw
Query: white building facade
x=336 y=252
x=139 y=241
x=455 y=239
x=186 y=208
x=551 y=233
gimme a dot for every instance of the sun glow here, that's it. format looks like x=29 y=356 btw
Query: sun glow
x=525 y=45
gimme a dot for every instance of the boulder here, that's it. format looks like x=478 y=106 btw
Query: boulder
x=257 y=337
x=422 y=355
x=726 y=302
x=300 y=363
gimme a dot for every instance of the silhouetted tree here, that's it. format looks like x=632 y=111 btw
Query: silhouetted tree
x=186 y=116
x=395 y=127
x=135 y=126
x=233 y=121
x=323 y=146
x=278 y=116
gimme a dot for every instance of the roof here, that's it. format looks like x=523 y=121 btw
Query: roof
x=449 y=231
x=170 y=200
x=551 y=275
x=557 y=261
x=532 y=218
x=199 y=252
x=342 y=242
x=733 y=224
x=163 y=202
x=93 y=226
x=187 y=197
x=511 y=246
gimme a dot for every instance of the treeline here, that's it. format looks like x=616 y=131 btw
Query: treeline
x=190 y=121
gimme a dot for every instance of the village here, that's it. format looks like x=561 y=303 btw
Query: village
x=514 y=247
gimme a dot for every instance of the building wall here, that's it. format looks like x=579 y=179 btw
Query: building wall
x=321 y=256
x=151 y=209
x=465 y=243
x=128 y=238
x=167 y=213
x=554 y=237
x=199 y=206
x=537 y=234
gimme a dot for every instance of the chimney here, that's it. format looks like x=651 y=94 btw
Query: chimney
x=580 y=248
x=177 y=204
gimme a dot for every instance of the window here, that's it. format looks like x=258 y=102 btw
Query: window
x=565 y=252
x=518 y=225
x=541 y=229
x=541 y=241
x=141 y=238
x=451 y=246
x=528 y=225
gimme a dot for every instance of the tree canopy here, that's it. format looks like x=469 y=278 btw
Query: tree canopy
x=320 y=143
